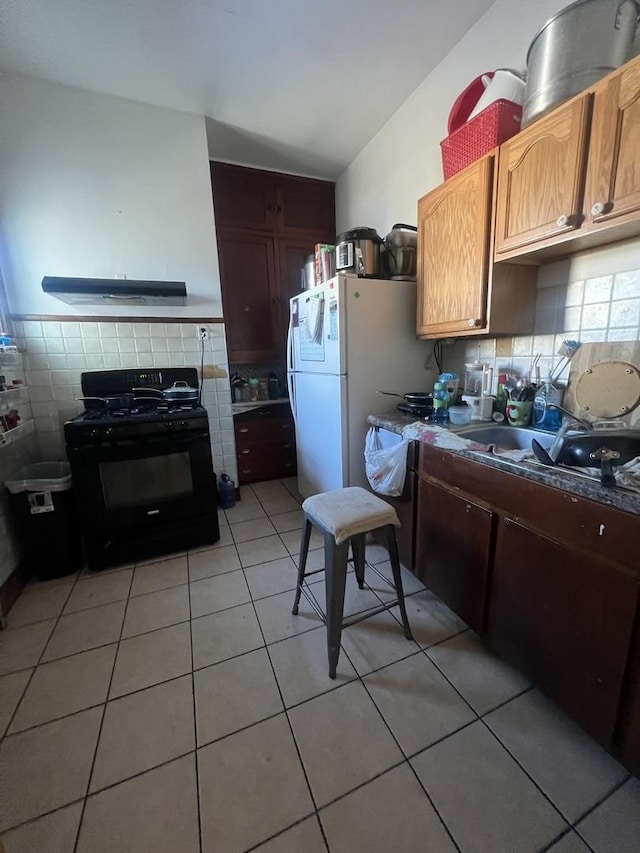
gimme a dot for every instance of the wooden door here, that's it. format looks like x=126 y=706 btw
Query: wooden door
x=565 y=620
x=306 y=209
x=249 y=295
x=613 y=177
x=453 y=253
x=453 y=541
x=243 y=198
x=541 y=174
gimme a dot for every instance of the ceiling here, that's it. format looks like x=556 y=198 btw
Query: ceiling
x=294 y=85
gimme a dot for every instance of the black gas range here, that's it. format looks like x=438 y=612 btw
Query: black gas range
x=142 y=469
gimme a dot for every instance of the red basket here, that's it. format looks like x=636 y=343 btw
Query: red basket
x=499 y=122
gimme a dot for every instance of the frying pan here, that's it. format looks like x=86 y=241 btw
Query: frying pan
x=179 y=392
x=417 y=398
x=110 y=404
x=597 y=449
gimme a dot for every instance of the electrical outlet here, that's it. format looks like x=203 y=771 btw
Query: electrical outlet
x=202 y=333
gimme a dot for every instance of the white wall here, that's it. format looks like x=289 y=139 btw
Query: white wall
x=402 y=162
x=99 y=186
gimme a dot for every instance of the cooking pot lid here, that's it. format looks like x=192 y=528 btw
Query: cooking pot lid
x=608 y=389
x=360 y=233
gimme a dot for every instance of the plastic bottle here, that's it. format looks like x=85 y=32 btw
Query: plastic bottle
x=440 y=402
x=274 y=386
x=542 y=416
x=226 y=492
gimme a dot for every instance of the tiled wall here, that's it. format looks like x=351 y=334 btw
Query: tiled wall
x=58 y=352
x=603 y=308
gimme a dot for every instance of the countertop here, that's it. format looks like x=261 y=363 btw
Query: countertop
x=239 y=408
x=556 y=477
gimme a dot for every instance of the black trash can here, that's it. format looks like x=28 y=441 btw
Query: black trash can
x=41 y=503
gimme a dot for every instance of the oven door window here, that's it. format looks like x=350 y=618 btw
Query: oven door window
x=131 y=483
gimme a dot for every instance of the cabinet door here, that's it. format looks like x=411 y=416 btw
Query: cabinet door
x=291 y=255
x=541 y=175
x=613 y=182
x=243 y=198
x=565 y=620
x=247 y=278
x=452 y=277
x=453 y=540
x=628 y=737
x=306 y=207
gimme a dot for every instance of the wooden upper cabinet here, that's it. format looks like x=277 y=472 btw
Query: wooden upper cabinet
x=613 y=178
x=453 y=252
x=270 y=201
x=243 y=198
x=541 y=180
x=306 y=206
x=249 y=294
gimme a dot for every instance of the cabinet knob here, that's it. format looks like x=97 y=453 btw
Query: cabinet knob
x=599 y=208
x=246 y=309
x=245 y=452
x=473 y=321
x=243 y=430
x=562 y=221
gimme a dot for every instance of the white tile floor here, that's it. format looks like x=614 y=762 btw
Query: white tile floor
x=177 y=705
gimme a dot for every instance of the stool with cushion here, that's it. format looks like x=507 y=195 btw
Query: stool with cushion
x=344 y=517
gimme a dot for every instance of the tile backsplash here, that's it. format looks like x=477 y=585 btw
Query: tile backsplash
x=605 y=308
x=58 y=352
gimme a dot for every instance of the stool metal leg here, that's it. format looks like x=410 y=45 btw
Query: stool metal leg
x=392 y=547
x=357 y=548
x=335 y=560
x=302 y=562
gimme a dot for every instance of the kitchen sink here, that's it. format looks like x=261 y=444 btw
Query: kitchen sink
x=506 y=437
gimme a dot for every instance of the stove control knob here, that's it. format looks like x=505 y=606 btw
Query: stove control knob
x=108 y=431
x=183 y=424
x=171 y=425
x=93 y=433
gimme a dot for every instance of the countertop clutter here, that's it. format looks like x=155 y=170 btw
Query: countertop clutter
x=568 y=481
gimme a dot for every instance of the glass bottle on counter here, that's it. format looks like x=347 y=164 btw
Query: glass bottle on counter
x=253 y=390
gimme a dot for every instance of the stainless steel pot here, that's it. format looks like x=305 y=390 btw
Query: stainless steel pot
x=574 y=49
x=358 y=251
x=399 y=252
x=309 y=272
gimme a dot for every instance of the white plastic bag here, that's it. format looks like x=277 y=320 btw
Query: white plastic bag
x=386 y=468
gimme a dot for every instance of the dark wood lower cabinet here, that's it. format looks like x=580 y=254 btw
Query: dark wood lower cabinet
x=549 y=579
x=628 y=735
x=453 y=541
x=565 y=620
x=265 y=444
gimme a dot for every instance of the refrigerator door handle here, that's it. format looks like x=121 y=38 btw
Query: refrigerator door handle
x=290 y=344
x=292 y=395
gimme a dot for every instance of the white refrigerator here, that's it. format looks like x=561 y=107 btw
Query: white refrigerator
x=349 y=338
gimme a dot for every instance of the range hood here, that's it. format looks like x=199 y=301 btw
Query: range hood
x=115 y=291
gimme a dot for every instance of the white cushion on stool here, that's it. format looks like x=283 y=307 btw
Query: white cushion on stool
x=347 y=512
